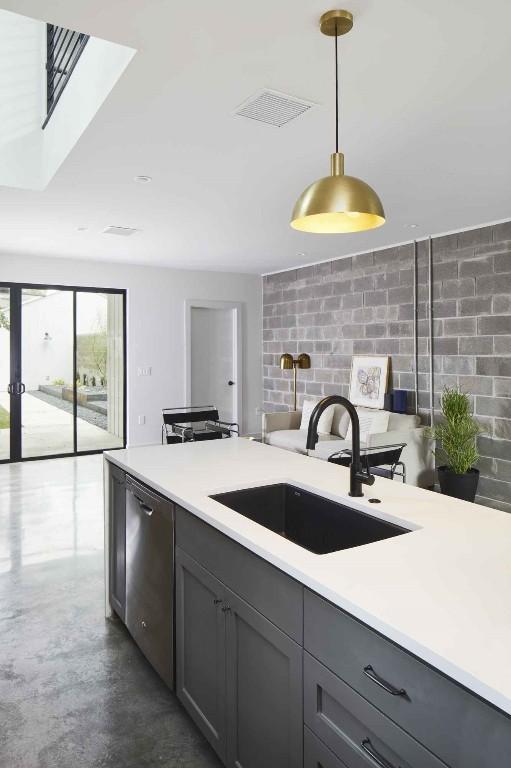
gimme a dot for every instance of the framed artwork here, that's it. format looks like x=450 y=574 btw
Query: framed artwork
x=369 y=376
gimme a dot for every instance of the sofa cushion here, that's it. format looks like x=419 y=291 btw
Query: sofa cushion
x=402 y=421
x=293 y=439
x=325 y=420
x=371 y=422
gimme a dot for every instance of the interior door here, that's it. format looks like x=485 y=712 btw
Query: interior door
x=213 y=366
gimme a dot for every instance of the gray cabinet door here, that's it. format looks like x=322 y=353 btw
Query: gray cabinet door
x=117 y=507
x=264 y=691
x=200 y=648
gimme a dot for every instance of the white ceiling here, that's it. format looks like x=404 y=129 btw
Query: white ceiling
x=426 y=120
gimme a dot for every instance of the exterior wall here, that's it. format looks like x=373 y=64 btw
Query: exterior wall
x=155 y=328
x=364 y=305
x=43 y=361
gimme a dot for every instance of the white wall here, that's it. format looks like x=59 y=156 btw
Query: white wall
x=22 y=75
x=29 y=156
x=44 y=361
x=155 y=328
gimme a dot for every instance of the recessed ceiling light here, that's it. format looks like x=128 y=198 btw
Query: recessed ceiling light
x=411 y=226
x=143 y=179
x=121 y=231
x=82 y=229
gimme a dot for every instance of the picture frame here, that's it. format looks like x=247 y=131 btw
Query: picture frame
x=369 y=380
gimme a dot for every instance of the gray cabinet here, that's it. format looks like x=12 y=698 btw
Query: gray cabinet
x=117 y=529
x=200 y=649
x=355 y=731
x=270 y=591
x=452 y=723
x=316 y=754
x=264 y=691
x=238 y=674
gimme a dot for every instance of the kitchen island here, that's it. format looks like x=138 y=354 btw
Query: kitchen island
x=437 y=597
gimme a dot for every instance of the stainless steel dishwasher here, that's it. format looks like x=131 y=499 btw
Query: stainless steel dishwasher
x=150 y=575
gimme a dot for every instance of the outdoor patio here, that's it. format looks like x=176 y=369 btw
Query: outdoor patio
x=47 y=430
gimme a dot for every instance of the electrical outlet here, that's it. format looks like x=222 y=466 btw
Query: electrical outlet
x=144 y=370
x=141 y=420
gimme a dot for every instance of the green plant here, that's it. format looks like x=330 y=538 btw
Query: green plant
x=456 y=435
x=4 y=320
x=4 y=418
x=59 y=382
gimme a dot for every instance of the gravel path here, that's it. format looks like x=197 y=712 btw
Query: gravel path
x=92 y=417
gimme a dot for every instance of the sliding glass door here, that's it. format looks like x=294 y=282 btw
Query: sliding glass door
x=5 y=373
x=62 y=371
x=46 y=372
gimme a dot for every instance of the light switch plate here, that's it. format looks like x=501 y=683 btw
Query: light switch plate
x=144 y=370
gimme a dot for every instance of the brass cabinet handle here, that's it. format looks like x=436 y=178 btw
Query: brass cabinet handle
x=380 y=761
x=379 y=681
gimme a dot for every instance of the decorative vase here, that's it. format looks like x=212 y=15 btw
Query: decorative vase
x=460 y=486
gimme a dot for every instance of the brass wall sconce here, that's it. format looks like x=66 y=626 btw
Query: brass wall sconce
x=287 y=362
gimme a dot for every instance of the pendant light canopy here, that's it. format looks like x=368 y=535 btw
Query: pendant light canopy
x=337 y=203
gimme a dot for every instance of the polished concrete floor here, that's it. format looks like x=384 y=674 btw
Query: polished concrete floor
x=75 y=692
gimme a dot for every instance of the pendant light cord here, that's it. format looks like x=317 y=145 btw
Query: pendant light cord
x=336 y=95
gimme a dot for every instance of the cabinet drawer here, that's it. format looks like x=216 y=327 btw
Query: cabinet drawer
x=352 y=728
x=454 y=724
x=273 y=593
x=316 y=754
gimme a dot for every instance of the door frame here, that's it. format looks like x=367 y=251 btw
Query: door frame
x=16 y=372
x=236 y=308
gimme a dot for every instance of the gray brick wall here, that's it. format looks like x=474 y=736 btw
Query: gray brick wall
x=364 y=305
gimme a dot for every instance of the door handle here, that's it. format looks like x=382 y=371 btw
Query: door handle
x=231 y=383
x=19 y=388
x=9 y=389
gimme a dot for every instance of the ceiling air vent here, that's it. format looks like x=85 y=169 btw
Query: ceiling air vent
x=273 y=108
x=122 y=231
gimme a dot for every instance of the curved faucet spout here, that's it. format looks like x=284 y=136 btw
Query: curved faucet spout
x=357 y=475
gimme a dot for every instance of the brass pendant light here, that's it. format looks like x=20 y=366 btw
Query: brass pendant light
x=337 y=203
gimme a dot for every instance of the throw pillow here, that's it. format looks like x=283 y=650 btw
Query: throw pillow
x=372 y=422
x=325 y=420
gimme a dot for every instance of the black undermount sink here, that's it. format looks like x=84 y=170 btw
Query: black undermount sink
x=311 y=521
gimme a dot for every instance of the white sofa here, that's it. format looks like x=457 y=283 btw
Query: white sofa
x=282 y=430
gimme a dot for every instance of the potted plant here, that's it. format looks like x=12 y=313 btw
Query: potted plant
x=456 y=444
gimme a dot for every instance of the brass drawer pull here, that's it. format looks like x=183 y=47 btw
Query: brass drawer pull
x=372 y=675
x=375 y=756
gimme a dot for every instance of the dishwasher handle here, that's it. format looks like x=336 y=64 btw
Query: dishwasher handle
x=145 y=507
x=141 y=503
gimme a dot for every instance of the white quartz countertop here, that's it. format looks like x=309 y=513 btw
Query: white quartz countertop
x=443 y=591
